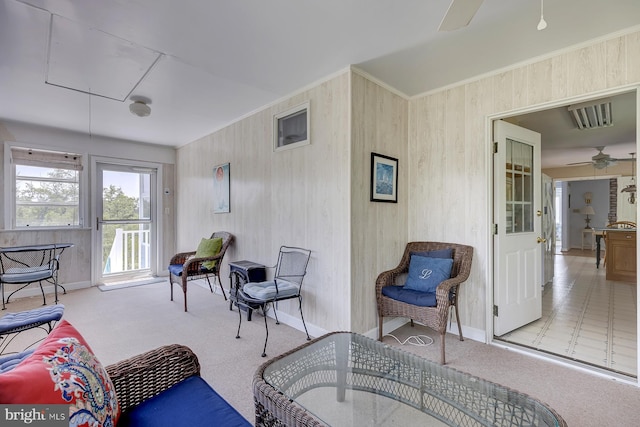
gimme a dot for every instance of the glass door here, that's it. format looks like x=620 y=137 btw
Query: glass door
x=125 y=223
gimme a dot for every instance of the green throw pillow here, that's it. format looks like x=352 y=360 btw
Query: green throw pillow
x=209 y=248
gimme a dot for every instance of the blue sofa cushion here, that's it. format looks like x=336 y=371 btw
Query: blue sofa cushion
x=191 y=402
x=400 y=293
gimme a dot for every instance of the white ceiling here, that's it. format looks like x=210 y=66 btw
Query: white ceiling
x=203 y=64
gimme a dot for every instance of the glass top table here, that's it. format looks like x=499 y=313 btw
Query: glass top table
x=346 y=379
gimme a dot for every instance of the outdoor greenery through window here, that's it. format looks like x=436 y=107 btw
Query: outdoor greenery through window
x=47 y=188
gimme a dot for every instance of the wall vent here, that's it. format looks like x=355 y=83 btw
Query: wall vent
x=590 y=115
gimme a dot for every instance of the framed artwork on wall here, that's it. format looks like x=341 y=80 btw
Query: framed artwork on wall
x=291 y=128
x=221 y=188
x=384 y=178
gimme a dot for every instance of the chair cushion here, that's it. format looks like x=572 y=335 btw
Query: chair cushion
x=176 y=269
x=267 y=290
x=209 y=248
x=63 y=370
x=9 y=361
x=27 y=274
x=426 y=273
x=400 y=293
x=35 y=317
x=191 y=402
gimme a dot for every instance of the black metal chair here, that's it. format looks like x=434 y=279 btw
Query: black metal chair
x=286 y=284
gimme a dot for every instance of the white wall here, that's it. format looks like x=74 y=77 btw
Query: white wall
x=600 y=202
x=450 y=153
x=297 y=197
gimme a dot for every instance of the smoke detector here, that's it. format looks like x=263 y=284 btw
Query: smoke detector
x=140 y=108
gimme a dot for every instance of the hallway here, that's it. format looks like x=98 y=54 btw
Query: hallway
x=585 y=317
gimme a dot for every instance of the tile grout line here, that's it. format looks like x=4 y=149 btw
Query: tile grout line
x=576 y=331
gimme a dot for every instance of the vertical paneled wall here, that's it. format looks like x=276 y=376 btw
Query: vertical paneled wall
x=296 y=197
x=449 y=154
x=378 y=230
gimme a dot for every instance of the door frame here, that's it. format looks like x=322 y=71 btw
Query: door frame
x=490 y=277
x=96 y=262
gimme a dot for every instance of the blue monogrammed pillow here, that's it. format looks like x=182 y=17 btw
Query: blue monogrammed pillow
x=426 y=273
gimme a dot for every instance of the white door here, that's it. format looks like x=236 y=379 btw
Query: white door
x=125 y=223
x=517 y=238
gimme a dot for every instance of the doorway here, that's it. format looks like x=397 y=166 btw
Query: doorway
x=596 y=290
x=126 y=226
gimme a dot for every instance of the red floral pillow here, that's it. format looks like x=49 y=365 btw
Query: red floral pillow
x=64 y=370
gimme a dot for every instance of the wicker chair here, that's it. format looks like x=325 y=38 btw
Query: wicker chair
x=446 y=293
x=184 y=266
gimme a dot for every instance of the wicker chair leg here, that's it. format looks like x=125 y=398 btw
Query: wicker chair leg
x=220 y=283
x=458 y=322
x=184 y=290
x=380 y=328
x=442 y=338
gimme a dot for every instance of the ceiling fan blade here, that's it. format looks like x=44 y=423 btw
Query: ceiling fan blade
x=459 y=14
x=579 y=163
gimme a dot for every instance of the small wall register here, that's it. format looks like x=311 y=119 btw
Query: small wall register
x=34 y=415
x=291 y=128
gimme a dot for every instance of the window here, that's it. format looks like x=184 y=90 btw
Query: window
x=46 y=188
x=292 y=128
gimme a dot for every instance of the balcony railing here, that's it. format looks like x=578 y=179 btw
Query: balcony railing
x=130 y=251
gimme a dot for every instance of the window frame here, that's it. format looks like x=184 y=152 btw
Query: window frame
x=10 y=186
x=282 y=117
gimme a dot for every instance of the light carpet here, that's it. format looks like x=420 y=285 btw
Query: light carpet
x=119 y=324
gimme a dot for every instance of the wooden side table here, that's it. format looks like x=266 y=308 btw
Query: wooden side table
x=588 y=232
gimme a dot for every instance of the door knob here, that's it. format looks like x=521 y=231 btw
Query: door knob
x=541 y=240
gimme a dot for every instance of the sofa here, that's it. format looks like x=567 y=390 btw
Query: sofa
x=161 y=387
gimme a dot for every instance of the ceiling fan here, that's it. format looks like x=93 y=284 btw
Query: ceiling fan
x=459 y=14
x=602 y=160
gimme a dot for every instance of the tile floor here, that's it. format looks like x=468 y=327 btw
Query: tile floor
x=585 y=317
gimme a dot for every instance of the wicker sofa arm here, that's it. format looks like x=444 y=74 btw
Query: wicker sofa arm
x=148 y=374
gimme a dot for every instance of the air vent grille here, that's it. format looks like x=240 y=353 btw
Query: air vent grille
x=592 y=116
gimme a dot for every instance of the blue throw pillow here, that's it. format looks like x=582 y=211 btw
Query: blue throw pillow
x=426 y=273
x=440 y=253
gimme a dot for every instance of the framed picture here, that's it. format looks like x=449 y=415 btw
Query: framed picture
x=384 y=178
x=291 y=128
x=221 y=179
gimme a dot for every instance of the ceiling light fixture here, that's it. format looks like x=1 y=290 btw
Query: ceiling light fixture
x=139 y=108
x=631 y=188
x=542 y=24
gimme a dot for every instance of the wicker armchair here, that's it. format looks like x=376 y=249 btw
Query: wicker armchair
x=184 y=266
x=148 y=374
x=446 y=293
